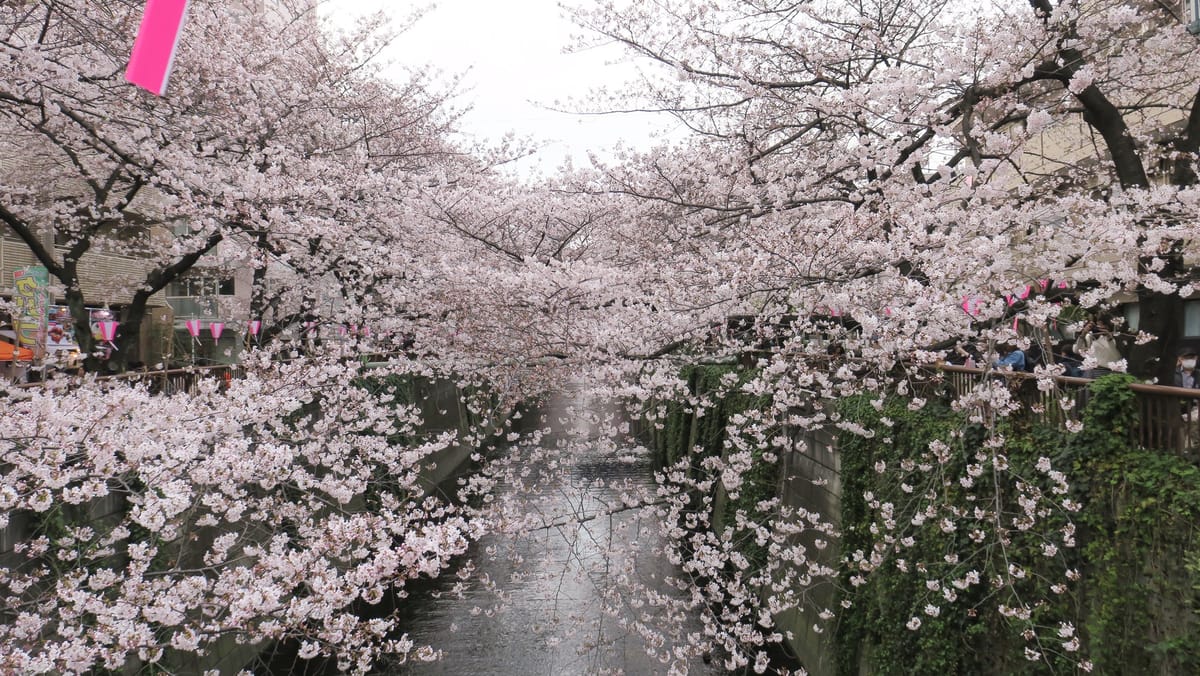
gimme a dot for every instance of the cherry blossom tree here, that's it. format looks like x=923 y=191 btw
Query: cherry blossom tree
x=887 y=131
x=273 y=509
x=859 y=170
x=259 y=156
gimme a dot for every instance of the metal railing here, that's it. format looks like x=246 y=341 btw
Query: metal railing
x=1168 y=417
x=184 y=378
x=167 y=381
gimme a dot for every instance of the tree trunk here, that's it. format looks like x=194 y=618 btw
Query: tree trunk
x=1159 y=315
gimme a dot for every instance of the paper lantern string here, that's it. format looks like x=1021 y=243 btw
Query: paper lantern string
x=216 y=328
x=153 y=53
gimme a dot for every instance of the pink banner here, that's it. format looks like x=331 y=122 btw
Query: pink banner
x=154 y=49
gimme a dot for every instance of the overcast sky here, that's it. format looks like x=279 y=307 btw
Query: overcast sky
x=513 y=55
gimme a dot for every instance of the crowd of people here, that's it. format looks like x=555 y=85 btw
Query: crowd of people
x=1091 y=350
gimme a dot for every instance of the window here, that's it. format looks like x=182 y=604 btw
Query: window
x=1191 y=318
x=194 y=286
x=1133 y=315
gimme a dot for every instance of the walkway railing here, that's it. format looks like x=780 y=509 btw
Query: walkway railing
x=166 y=381
x=181 y=379
x=1169 y=417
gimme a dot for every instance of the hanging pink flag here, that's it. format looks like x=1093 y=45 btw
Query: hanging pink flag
x=154 y=48
x=255 y=326
x=1043 y=283
x=1026 y=291
x=215 y=328
x=193 y=327
x=1011 y=300
x=971 y=306
x=1062 y=284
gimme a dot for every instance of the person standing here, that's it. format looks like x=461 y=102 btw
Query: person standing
x=1185 y=369
x=1186 y=376
x=1096 y=340
x=1013 y=359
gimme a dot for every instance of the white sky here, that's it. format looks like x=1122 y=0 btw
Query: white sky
x=513 y=55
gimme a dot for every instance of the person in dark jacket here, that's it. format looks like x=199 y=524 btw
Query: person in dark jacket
x=1065 y=354
x=1185 y=368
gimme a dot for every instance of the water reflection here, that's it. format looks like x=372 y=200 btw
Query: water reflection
x=558 y=601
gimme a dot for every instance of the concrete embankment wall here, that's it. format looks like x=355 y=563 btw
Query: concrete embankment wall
x=811 y=479
x=808 y=477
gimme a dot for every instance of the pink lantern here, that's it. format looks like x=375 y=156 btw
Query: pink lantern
x=154 y=49
x=215 y=328
x=255 y=326
x=1043 y=283
x=366 y=331
x=193 y=327
x=971 y=306
x=108 y=331
x=1026 y=291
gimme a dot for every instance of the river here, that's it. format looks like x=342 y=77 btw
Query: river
x=559 y=599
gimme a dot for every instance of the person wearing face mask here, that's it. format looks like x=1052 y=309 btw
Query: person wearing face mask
x=1185 y=369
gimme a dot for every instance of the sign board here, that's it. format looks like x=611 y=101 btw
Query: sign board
x=32 y=298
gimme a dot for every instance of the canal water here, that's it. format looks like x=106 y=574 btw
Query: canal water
x=563 y=587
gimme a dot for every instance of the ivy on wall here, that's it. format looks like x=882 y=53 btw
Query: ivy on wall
x=1134 y=606
x=698 y=432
